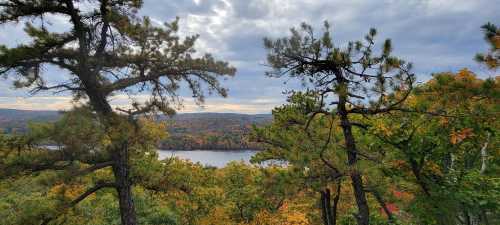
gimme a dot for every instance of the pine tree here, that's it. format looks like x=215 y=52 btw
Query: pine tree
x=349 y=81
x=492 y=37
x=107 y=50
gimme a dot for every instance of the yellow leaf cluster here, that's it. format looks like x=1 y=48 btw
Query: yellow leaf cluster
x=68 y=191
x=283 y=217
x=383 y=129
x=434 y=168
x=218 y=216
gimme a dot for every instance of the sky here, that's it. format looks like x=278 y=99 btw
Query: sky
x=435 y=35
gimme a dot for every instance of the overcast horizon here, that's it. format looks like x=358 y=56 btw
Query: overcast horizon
x=436 y=36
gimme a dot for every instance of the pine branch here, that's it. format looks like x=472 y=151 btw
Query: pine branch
x=99 y=185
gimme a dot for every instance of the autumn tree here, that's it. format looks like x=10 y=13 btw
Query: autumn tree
x=106 y=50
x=354 y=79
x=448 y=157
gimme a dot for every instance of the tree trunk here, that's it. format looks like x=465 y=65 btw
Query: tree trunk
x=363 y=216
x=120 y=156
x=336 y=203
x=484 y=217
x=415 y=168
x=329 y=211
x=121 y=171
x=357 y=181
x=484 y=155
x=326 y=208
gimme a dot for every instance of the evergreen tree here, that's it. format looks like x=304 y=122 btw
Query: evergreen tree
x=492 y=37
x=108 y=50
x=351 y=80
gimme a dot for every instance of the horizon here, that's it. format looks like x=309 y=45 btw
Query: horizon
x=63 y=110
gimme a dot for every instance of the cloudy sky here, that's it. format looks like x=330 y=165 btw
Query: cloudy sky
x=436 y=35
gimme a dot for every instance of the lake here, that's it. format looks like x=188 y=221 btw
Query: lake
x=217 y=158
x=210 y=157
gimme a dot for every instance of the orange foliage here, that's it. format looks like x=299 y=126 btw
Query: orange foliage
x=393 y=208
x=468 y=77
x=458 y=136
x=403 y=195
x=399 y=164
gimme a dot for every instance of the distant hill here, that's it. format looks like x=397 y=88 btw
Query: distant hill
x=13 y=120
x=187 y=130
x=212 y=130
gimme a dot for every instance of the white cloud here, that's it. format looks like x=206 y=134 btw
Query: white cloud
x=122 y=101
x=37 y=103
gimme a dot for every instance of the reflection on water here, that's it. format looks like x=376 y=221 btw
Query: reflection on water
x=210 y=157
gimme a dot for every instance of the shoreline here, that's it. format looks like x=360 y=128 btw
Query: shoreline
x=212 y=150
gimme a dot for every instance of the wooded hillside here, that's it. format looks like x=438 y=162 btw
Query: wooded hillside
x=186 y=130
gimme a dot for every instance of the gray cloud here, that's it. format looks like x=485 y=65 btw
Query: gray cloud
x=436 y=35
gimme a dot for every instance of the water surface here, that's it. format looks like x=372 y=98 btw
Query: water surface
x=217 y=158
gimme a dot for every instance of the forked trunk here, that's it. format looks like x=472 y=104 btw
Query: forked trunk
x=326 y=208
x=329 y=211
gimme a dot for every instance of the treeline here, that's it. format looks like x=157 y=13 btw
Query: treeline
x=363 y=142
x=16 y=121
x=209 y=141
x=219 y=131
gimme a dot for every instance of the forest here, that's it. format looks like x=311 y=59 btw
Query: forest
x=364 y=141
x=187 y=131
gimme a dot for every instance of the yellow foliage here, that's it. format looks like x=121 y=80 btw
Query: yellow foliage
x=411 y=100
x=153 y=130
x=383 y=129
x=68 y=191
x=434 y=168
x=284 y=216
x=218 y=216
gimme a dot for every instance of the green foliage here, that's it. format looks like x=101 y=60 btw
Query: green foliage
x=492 y=37
x=443 y=156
